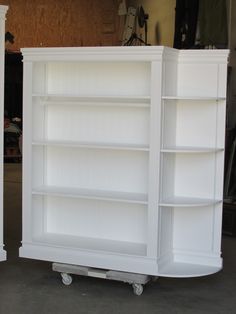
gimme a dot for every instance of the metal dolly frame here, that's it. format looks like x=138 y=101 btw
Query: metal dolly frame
x=136 y=280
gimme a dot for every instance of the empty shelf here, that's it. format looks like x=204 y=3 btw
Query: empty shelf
x=123 y=101
x=176 y=201
x=137 y=198
x=197 y=98
x=183 y=270
x=190 y=150
x=91 y=244
x=93 y=145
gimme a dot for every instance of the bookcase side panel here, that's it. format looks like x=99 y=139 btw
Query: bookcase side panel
x=27 y=152
x=3 y=11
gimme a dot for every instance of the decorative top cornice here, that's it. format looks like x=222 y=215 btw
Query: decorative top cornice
x=203 y=56
x=129 y=53
x=125 y=53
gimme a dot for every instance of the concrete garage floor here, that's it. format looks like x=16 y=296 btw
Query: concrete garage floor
x=31 y=287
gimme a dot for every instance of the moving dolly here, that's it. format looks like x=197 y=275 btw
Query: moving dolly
x=136 y=280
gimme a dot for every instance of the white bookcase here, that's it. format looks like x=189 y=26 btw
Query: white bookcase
x=3 y=11
x=123 y=158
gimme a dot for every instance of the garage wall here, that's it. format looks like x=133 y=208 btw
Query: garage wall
x=161 y=20
x=56 y=23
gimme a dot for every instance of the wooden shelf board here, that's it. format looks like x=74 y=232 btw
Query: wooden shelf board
x=114 y=196
x=98 y=100
x=195 y=98
x=187 y=202
x=92 y=244
x=190 y=150
x=184 y=270
x=95 y=145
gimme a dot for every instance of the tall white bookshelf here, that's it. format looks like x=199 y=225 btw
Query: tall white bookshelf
x=123 y=158
x=3 y=11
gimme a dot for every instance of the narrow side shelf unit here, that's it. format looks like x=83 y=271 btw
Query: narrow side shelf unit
x=123 y=158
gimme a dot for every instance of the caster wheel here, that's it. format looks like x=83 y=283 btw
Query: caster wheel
x=66 y=279
x=137 y=288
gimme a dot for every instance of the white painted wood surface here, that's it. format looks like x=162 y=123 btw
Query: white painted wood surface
x=123 y=158
x=3 y=11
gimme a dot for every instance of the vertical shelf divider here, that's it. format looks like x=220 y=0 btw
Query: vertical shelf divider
x=154 y=158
